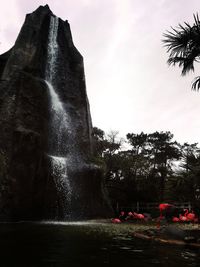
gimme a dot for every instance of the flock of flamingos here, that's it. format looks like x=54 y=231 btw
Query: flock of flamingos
x=187 y=216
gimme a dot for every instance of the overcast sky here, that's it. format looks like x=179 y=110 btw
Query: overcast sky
x=129 y=85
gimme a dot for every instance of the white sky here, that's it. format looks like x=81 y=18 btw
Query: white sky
x=129 y=85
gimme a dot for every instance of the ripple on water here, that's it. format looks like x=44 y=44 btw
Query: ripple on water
x=189 y=256
x=137 y=250
x=125 y=248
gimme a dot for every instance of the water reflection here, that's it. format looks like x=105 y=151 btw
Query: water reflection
x=80 y=244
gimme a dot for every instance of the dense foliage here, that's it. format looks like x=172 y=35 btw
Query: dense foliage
x=153 y=168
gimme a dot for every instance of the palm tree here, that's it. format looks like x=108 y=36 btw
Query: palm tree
x=183 y=46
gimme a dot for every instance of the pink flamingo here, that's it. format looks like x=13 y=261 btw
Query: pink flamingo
x=182 y=218
x=115 y=220
x=122 y=216
x=175 y=219
x=162 y=207
x=190 y=216
x=122 y=213
x=129 y=216
x=139 y=216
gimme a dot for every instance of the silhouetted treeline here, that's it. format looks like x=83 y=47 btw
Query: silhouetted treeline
x=153 y=168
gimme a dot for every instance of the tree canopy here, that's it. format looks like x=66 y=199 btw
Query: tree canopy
x=147 y=171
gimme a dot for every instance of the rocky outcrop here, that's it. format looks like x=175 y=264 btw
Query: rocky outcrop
x=27 y=185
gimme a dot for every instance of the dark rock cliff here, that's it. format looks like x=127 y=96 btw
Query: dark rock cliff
x=27 y=187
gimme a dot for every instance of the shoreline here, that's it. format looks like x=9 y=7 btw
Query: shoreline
x=172 y=234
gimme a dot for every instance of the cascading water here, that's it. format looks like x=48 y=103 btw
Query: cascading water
x=59 y=171
x=60 y=124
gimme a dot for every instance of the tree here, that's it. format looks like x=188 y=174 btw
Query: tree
x=98 y=142
x=188 y=151
x=183 y=46
x=105 y=144
x=163 y=152
x=138 y=150
x=106 y=154
x=137 y=141
x=106 y=148
x=186 y=182
x=146 y=171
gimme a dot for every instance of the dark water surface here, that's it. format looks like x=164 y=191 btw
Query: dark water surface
x=85 y=244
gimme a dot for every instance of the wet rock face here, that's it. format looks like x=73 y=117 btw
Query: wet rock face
x=27 y=186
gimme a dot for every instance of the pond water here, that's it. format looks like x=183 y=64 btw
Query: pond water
x=85 y=244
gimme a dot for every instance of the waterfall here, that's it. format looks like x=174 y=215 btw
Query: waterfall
x=52 y=52
x=59 y=171
x=60 y=124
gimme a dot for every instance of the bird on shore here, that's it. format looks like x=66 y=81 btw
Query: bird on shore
x=162 y=207
x=115 y=220
x=190 y=215
x=183 y=218
x=175 y=219
x=139 y=216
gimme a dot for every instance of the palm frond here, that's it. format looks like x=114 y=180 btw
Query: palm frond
x=177 y=40
x=196 y=84
x=183 y=46
x=188 y=65
x=182 y=39
x=197 y=22
x=184 y=62
x=176 y=60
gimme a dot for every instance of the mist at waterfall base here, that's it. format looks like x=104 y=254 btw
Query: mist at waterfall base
x=85 y=244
